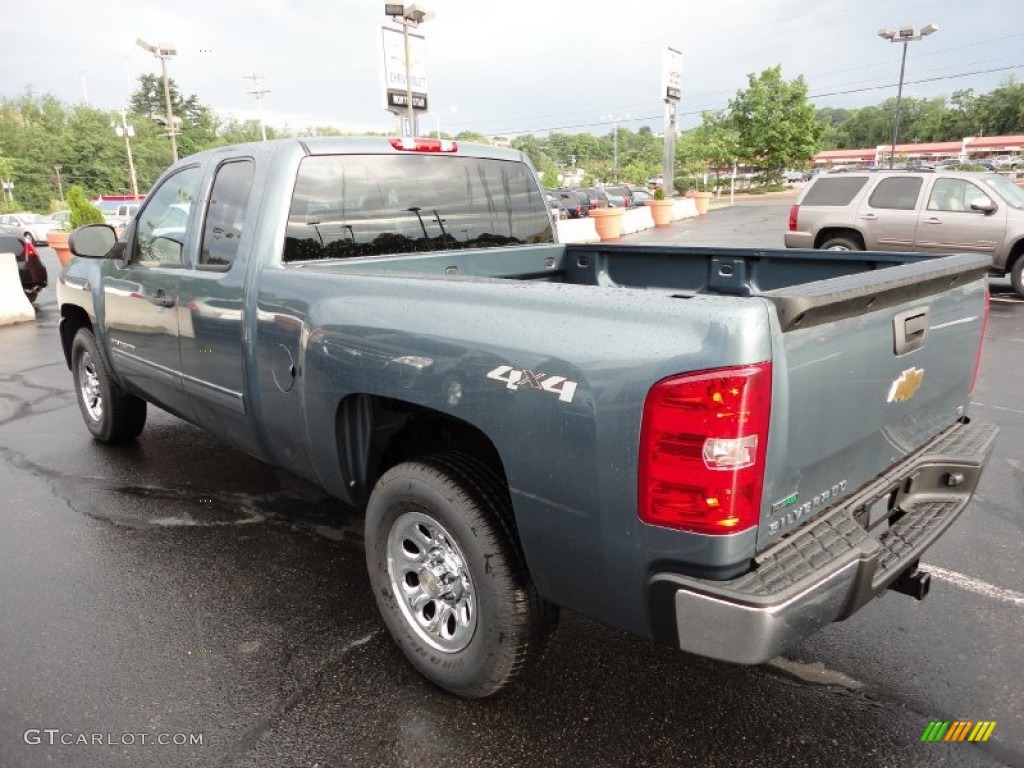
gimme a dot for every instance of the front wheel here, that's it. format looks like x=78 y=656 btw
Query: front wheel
x=448 y=576
x=1017 y=276
x=111 y=414
x=841 y=244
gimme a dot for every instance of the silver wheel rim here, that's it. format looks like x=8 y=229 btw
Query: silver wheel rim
x=837 y=248
x=89 y=386
x=431 y=581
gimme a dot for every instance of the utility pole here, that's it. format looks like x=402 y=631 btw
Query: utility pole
x=259 y=100
x=60 y=184
x=127 y=132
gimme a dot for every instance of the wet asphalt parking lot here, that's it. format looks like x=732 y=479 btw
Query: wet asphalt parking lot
x=178 y=590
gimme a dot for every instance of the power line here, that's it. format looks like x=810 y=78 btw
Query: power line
x=639 y=118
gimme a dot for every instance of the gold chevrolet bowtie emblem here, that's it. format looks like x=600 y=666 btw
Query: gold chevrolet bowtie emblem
x=906 y=385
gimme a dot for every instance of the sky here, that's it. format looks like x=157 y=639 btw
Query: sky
x=508 y=68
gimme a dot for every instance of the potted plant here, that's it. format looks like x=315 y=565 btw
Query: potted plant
x=82 y=212
x=661 y=209
x=608 y=222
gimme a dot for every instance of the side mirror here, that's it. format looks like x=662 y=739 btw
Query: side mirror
x=93 y=241
x=983 y=204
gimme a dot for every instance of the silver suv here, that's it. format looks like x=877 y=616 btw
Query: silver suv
x=931 y=211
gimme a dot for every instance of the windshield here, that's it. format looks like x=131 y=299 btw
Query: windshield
x=1010 y=192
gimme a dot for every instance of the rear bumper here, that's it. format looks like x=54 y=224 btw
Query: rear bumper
x=832 y=566
x=798 y=240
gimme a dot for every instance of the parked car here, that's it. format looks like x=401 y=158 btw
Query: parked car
x=60 y=220
x=793 y=176
x=810 y=173
x=594 y=197
x=30 y=269
x=640 y=196
x=617 y=197
x=934 y=211
x=30 y=226
x=683 y=462
x=576 y=205
x=1004 y=162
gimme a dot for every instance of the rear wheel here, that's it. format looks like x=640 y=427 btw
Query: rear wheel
x=448 y=576
x=29 y=239
x=112 y=415
x=841 y=244
x=1017 y=275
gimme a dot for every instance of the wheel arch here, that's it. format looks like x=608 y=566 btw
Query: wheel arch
x=827 y=233
x=72 y=319
x=374 y=433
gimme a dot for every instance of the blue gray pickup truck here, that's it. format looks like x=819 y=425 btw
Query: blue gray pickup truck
x=721 y=449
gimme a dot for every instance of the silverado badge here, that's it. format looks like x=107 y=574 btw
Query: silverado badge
x=906 y=384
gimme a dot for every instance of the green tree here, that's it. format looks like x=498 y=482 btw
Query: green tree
x=82 y=211
x=774 y=122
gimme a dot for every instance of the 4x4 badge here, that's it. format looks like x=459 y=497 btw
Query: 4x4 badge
x=906 y=385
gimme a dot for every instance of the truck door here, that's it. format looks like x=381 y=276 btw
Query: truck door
x=213 y=323
x=948 y=225
x=888 y=217
x=141 y=310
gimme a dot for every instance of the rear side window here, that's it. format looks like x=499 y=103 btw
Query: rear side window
x=226 y=214
x=837 y=191
x=897 y=193
x=346 y=206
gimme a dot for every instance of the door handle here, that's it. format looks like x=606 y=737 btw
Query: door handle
x=932 y=220
x=869 y=216
x=161 y=299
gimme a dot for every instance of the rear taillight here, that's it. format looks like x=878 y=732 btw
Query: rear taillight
x=424 y=145
x=794 y=211
x=30 y=252
x=981 y=342
x=702 y=448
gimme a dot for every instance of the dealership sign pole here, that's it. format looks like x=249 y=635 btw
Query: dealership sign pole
x=671 y=92
x=405 y=78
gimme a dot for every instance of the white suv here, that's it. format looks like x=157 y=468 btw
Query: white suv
x=932 y=211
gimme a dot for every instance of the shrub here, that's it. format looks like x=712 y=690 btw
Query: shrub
x=82 y=211
x=659 y=193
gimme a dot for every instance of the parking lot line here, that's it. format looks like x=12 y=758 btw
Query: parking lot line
x=976 y=585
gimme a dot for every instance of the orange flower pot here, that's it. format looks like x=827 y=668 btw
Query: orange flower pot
x=59 y=242
x=608 y=222
x=703 y=200
x=661 y=211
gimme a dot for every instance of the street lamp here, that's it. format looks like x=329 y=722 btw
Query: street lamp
x=128 y=132
x=905 y=35
x=164 y=51
x=407 y=15
x=615 y=141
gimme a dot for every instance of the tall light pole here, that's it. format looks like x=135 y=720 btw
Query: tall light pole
x=164 y=51
x=905 y=35
x=437 y=117
x=408 y=15
x=615 y=141
x=128 y=132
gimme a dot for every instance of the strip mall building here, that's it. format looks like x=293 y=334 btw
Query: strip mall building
x=969 y=148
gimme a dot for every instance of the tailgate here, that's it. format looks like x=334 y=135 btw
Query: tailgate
x=867 y=368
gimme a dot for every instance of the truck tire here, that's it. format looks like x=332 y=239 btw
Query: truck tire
x=112 y=415
x=841 y=244
x=1017 y=275
x=449 y=577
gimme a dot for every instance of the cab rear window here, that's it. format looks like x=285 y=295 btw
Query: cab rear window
x=834 y=191
x=346 y=206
